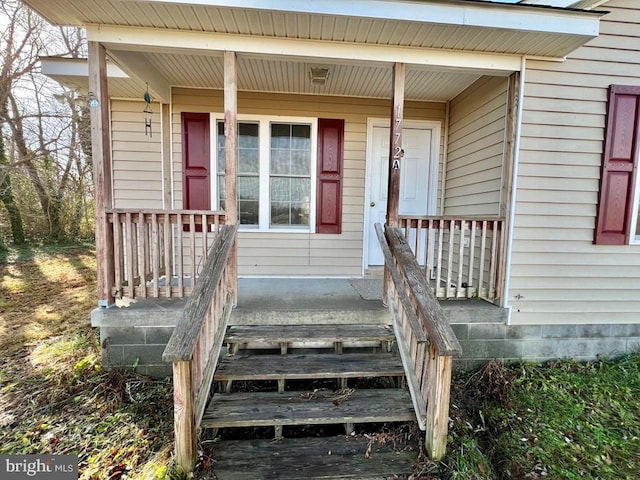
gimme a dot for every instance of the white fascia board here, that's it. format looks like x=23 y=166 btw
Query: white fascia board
x=127 y=38
x=75 y=67
x=515 y=17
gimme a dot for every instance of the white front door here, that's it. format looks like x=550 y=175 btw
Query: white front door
x=418 y=179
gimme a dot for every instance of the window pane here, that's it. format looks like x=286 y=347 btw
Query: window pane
x=301 y=137
x=248 y=188
x=280 y=189
x=221 y=192
x=299 y=214
x=280 y=162
x=248 y=148
x=248 y=212
x=221 y=163
x=300 y=190
x=280 y=213
x=248 y=161
x=280 y=135
x=221 y=135
x=248 y=135
x=301 y=162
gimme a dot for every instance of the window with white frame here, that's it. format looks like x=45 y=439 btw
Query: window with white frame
x=275 y=172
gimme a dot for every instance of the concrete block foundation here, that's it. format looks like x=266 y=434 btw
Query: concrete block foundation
x=135 y=336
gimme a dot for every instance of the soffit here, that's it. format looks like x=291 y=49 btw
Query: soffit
x=270 y=75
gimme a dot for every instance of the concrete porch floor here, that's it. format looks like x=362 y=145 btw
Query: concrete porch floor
x=306 y=300
x=296 y=300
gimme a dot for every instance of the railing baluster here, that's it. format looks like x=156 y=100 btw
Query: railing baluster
x=192 y=250
x=418 y=240
x=155 y=252
x=205 y=238
x=128 y=244
x=460 y=292
x=143 y=254
x=180 y=255
x=472 y=257
x=493 y=261
x=168 y=257
x=483 y=249
x=119 y=255
x=439 y=259
x=501 y=250
x=430 y=244
x=450 y=258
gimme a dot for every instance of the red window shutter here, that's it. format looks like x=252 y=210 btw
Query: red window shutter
x=196 y=186
x=330 y=161
x=619 y=164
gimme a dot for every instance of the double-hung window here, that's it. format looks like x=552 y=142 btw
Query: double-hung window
x=276 y=172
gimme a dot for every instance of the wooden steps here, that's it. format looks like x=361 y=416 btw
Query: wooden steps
x=269 y=406
x=308 y=336
x=312 y=459
x=309 y=408
x=247 y=366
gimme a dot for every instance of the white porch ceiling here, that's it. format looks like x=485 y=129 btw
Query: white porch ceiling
x=268 y=75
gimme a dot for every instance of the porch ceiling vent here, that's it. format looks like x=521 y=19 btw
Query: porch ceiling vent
x=318 y=75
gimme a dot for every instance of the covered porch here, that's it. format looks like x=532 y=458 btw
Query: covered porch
x=325 y=140
x=424 y=112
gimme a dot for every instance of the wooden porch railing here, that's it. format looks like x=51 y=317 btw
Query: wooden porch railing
x=196 y=342
x=157 y=253
x=426 y=342
x=462 y=256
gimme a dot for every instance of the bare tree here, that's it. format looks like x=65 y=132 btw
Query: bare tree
x=48 y=139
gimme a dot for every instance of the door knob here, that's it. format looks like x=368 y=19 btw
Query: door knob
x=372 y=204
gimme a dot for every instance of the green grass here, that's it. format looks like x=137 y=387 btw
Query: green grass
x=563 y=420
x=571 y=420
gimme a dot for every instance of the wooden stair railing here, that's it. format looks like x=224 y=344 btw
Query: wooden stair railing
x=194 y=346
x=426 y=342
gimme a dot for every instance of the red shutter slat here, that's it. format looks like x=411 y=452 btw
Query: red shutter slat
x=196 y=183
x=330 y=161
x=619 y=162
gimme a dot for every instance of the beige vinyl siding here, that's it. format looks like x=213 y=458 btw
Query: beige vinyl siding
x=298 y=254
x=557 y=274
x=136 y=157
x=476 y=149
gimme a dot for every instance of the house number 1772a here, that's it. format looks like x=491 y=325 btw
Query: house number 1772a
x=397 y=135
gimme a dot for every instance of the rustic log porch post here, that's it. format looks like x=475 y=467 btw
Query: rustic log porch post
x=101 y=157
x=231 y=160
x=395 y=156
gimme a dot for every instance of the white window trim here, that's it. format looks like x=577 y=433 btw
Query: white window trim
x=264 y=200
